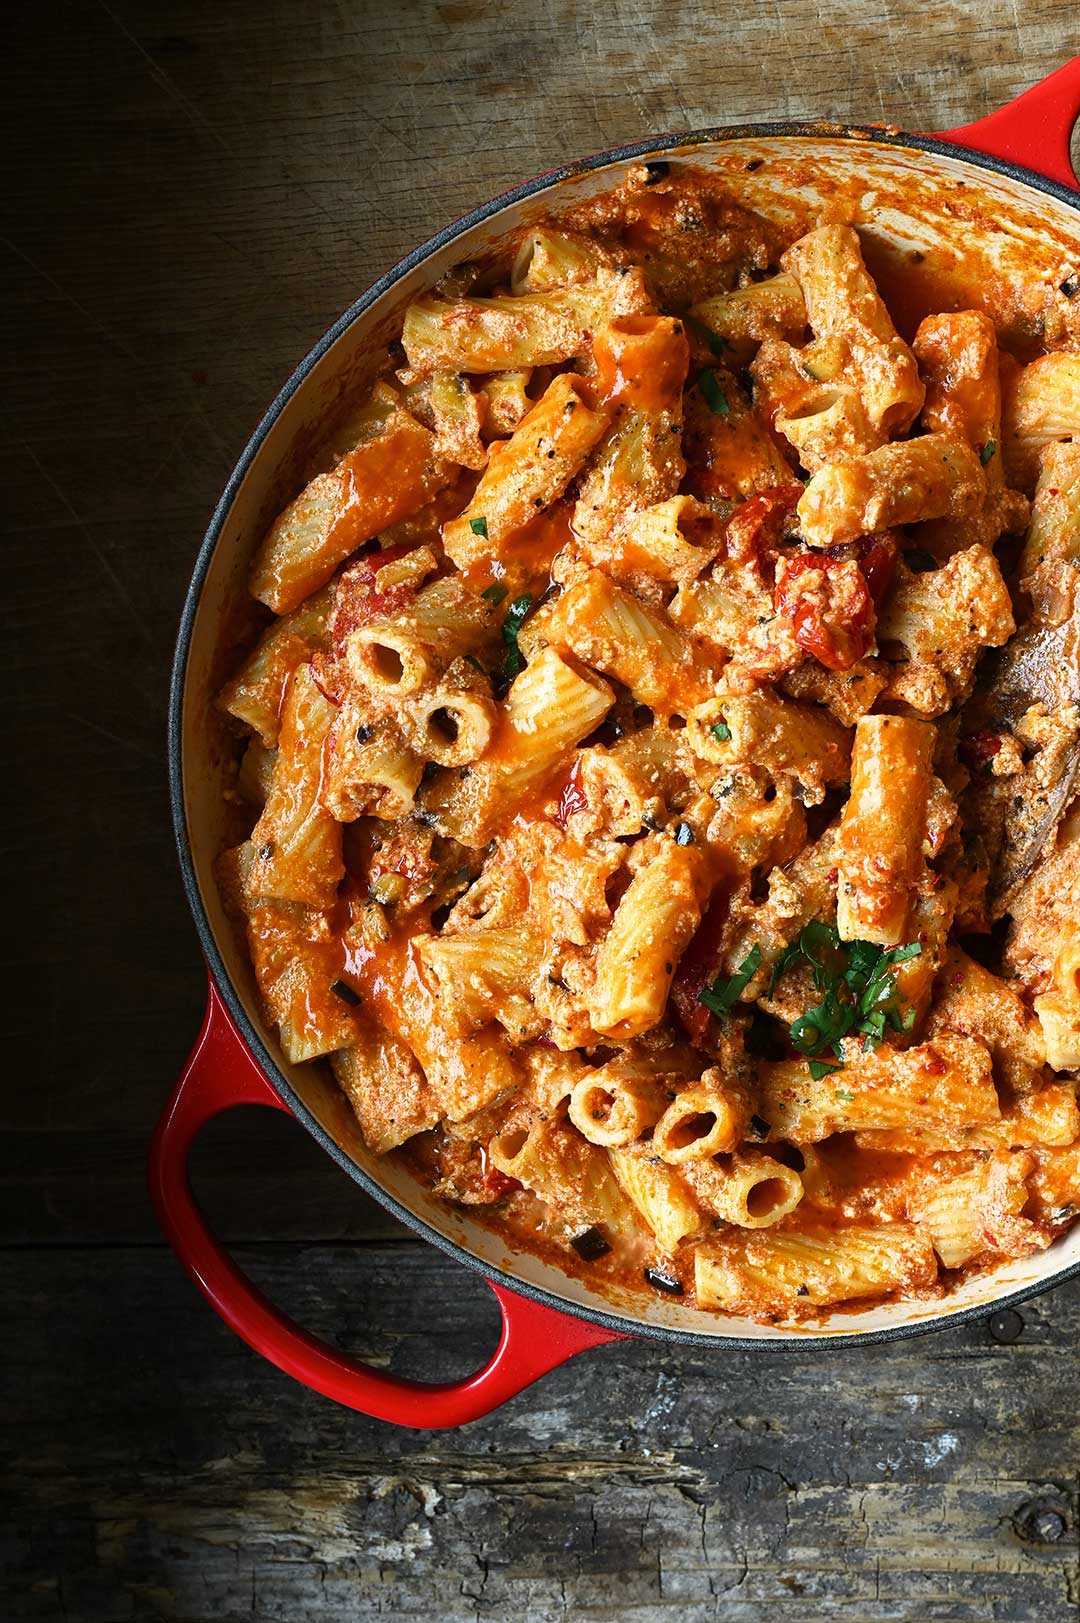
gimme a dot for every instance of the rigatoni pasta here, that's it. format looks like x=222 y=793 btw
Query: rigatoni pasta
x=628 y=772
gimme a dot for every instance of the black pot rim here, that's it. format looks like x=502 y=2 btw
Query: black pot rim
x=796 y=1341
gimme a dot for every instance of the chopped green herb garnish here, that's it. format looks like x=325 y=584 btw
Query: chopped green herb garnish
x=717 y=344
x=722 y=994
x=987 y=452
x=715 y=398
x=478 y=526
x=515 y=616
x=857 y=984
x=842 y=1094
x=494 y=594
x=822 y=1067
x=721 y=731
x=684 y=834
x=472 y=659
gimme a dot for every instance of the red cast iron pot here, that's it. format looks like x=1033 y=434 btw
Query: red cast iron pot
x=1003 y=190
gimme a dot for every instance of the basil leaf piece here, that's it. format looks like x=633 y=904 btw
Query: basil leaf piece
x=716 y=344
x=721 y=995
x=715 y=398
x=515 y=616
x=478 y=526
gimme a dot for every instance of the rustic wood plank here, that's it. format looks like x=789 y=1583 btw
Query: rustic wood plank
x=898 y=1482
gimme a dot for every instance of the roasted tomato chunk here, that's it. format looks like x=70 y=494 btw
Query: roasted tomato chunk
x=757 y=526
x=828 y=604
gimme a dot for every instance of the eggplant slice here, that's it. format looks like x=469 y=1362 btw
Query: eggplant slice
x=1041 y=664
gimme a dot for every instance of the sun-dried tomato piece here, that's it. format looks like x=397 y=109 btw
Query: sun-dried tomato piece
x=828 y=604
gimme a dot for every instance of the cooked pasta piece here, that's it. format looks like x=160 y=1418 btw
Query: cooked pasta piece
x=729 y=449
x=485 y=975
x=549 y=709
x=391 y=473
x=393 y=656
x=1053 y=537
x=549 y=259
x=572 y=1176
x=670 y=543
x=775 y=1271
x=256 y=693
x=843 y=304
x=617 y=1103
x=705 y=1118
x=947 y=1080
x=1058 y=1009
x=507 y=401
x=369 y=769
x=614 y=632
x=847 y=694
x=659 y=1194
x=958 y=359
x=980 y=1213
x=974 y=1003
x=299 y=966
x=772 y=308
x=1047 y=1117
x=749 y=1189
x=296 y=842
x=504 y=333
x=652 y=926
x=459 y=413
x=784 y=739
x=936 y=476
x=940 y=622
x=879 y=850
x=527 y=472
x=641 y=367
x=452 y=723
x=389 y=1093
x=1041 y=404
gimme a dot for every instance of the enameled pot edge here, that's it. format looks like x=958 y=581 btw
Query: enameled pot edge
x=613 y=1324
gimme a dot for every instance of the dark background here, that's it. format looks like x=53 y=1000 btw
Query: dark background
x=194 y=192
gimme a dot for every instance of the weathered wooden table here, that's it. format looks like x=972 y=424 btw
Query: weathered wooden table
x=195 y=192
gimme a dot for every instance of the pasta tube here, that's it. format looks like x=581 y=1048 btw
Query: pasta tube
x=296 y=842
x=388 y=476
x=879 y=850
x=931 y=477
x=526 y=473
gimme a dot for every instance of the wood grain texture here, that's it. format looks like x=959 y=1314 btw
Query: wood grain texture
x=194 y=194
x=895 y=1483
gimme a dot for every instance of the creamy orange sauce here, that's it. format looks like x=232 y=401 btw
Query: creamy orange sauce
x=693 y=239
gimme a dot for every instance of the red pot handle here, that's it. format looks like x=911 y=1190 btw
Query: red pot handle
x=1034 y=129
x=221 y=1073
